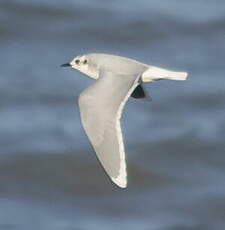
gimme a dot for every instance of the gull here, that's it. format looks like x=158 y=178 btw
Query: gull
x=101 y=104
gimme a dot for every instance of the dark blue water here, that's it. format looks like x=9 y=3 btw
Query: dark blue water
x=49 y=176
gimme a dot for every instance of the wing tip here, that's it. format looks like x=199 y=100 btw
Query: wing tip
x=120 y=181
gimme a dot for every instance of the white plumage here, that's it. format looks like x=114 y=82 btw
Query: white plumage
x=101 y=104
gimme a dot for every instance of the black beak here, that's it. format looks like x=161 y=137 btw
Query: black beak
x=66 y=65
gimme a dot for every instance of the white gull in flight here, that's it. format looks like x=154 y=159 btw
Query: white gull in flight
x=101 y=105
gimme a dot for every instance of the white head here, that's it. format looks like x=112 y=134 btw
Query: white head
x=85 y=65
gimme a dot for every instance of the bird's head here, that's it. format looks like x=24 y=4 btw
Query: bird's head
x=84 y=64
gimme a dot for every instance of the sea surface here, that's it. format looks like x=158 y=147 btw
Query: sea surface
x=175 y=144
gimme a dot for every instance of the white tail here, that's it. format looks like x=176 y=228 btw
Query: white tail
x=155 y=73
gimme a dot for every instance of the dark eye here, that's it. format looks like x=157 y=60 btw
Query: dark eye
x=85 y=61
x=77 y=61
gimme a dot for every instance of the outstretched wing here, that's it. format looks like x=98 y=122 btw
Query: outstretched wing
x=101 y=107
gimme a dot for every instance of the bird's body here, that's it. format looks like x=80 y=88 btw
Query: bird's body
x=102 y=103
x=112 y=63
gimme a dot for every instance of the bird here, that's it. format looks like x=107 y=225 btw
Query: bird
x=101 y=104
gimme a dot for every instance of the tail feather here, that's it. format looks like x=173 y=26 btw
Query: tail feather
x=155 y=73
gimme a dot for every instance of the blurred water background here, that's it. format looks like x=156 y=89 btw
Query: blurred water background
x=49 y=176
